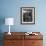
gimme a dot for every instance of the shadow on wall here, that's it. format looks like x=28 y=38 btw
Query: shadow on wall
x=2 y=21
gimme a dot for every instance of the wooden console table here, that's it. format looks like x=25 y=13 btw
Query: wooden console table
x=20 y=39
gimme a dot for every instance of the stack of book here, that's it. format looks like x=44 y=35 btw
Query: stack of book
x=30 y=33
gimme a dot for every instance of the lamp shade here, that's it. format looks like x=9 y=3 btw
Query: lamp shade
x=9 y=21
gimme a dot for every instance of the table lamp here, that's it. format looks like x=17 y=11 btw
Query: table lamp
x=9 y=21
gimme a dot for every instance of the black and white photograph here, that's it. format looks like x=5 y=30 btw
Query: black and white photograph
x=27 y=15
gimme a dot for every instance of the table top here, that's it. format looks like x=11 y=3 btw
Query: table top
x=22 y=35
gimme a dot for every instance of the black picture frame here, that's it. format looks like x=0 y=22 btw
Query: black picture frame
x=27 y=15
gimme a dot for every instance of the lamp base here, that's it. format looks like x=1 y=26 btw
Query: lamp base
x=9 y=33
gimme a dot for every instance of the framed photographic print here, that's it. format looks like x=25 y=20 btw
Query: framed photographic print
x=27 y=15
